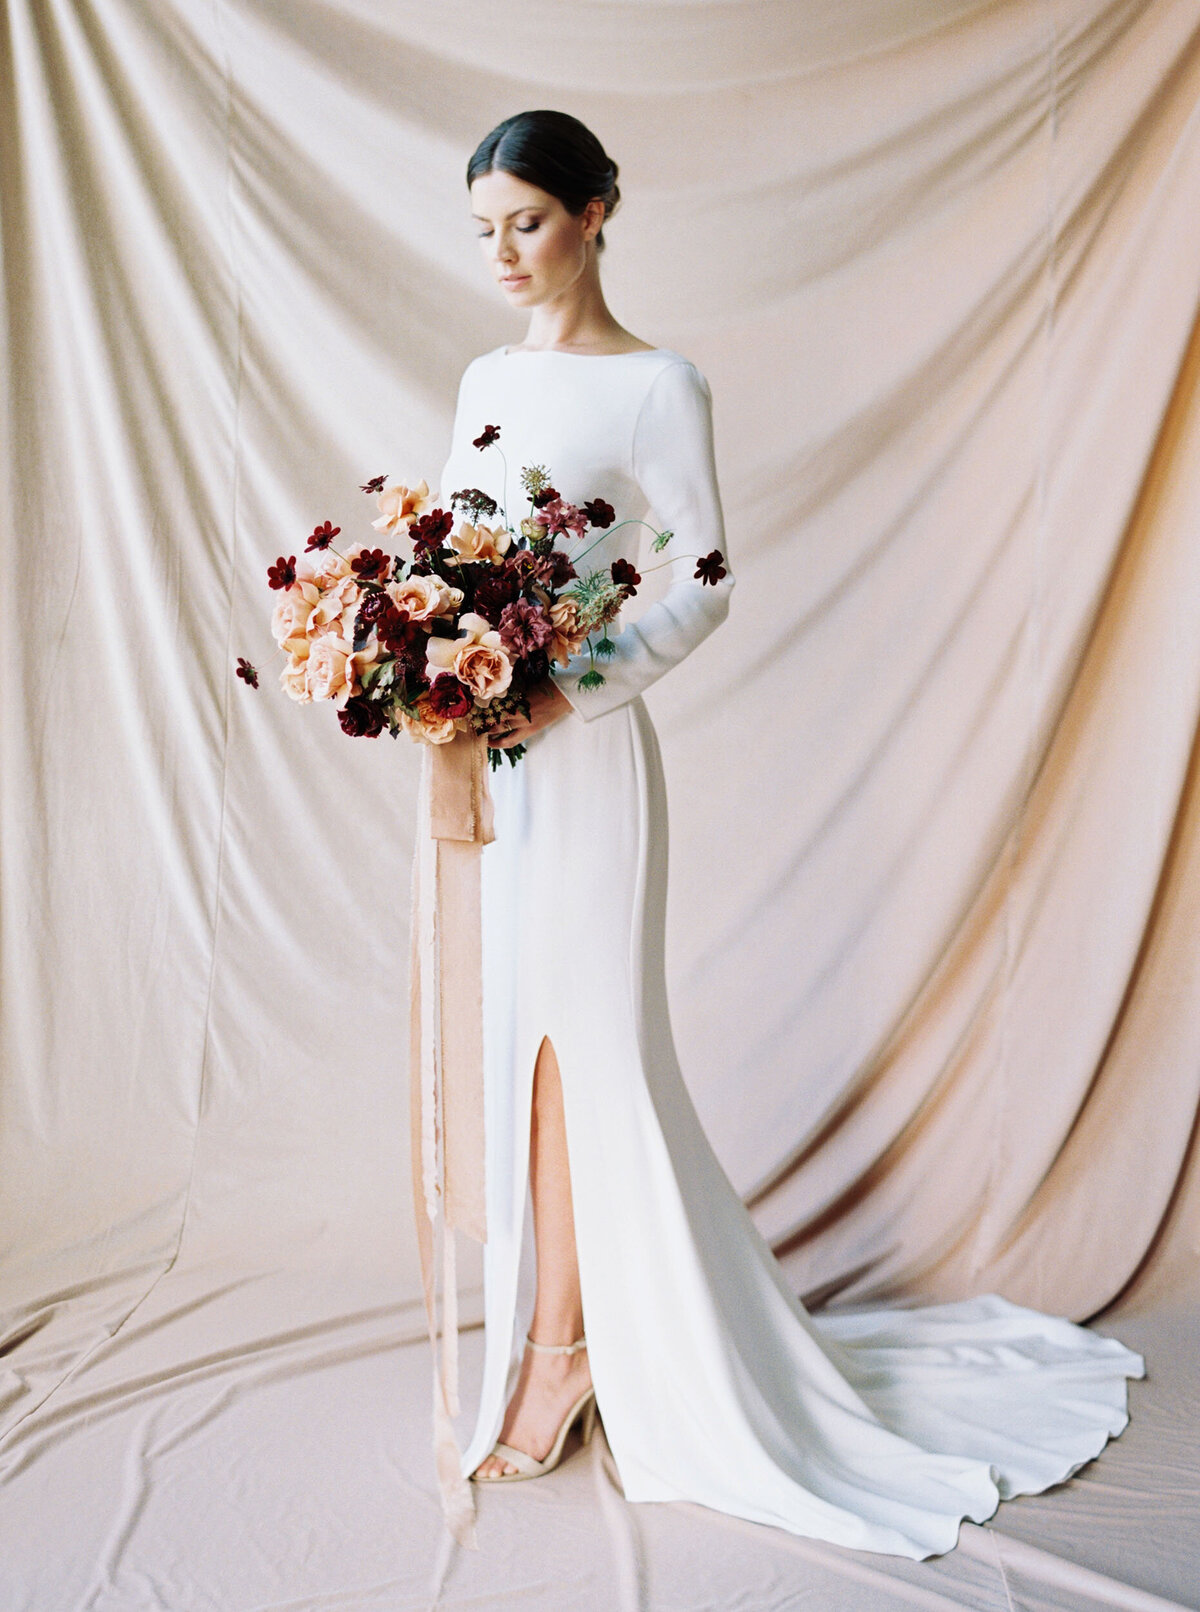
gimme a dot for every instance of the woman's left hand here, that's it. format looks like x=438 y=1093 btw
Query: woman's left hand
x=547 y=703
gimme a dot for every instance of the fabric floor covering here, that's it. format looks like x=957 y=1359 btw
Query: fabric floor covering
x=273 y=1467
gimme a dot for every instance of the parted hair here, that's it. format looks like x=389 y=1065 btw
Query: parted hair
x=555 y=152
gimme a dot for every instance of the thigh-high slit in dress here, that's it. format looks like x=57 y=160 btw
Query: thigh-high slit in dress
x=877 y=1429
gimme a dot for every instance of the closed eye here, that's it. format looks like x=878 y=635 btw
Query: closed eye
x=525 y=229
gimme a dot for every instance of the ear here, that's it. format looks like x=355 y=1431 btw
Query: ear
x=593 y=218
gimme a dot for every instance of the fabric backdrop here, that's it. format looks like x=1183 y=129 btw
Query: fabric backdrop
x=934 y=814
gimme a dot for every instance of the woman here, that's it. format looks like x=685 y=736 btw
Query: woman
x=881 y=1429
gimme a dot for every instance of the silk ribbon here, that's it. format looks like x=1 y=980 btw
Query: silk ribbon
x=455 y=822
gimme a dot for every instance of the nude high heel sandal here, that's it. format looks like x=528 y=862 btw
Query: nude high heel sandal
x=584 y=1407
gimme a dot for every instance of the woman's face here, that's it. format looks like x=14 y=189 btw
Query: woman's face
x=535 y=249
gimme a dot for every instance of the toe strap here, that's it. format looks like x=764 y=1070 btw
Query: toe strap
x=519 y=1458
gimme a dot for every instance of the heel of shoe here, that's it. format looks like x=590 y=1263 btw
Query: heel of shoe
x=589 y=1419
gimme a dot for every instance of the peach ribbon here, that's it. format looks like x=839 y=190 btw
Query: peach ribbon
x=455 y=822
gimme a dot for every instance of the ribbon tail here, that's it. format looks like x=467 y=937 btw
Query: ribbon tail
x=457 y=1500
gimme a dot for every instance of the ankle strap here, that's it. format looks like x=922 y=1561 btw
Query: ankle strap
x=557 y=1348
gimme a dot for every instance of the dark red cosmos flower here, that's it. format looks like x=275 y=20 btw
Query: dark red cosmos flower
x=486 y=437
x=370 y=563
x=599 y=513
x=375 y=485
x=447 y=696
x=246 y=672
x=546 y=496
x=711 y=568
x=283 y=573
x=428 y=531
x=625 y=576
x=362 y=718
x=554 y=570
x=322 y=536
x=524 y=627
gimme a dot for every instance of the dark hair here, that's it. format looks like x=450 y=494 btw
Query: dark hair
x=555 y=152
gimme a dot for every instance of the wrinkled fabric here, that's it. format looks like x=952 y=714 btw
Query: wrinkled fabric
x=931 y=946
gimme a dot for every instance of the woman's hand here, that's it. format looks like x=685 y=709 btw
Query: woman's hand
x=547 y=703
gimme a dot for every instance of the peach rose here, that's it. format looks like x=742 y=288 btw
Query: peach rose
x=481 y=542
x=335 y=609
x=293 y=680
x=323 y=567
x=427 y=725
x=422 y=598
x=401 y=505
x=568 y=638
x=332 y=669
x=476 y=657
x=291 y=615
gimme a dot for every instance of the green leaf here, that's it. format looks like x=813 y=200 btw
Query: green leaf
x=592 y=679
x=605 y=648
x=661 y=541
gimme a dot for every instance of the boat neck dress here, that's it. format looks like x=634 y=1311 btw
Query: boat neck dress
x=878 y=1429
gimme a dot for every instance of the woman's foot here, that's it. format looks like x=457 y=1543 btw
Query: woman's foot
x=546 y=1389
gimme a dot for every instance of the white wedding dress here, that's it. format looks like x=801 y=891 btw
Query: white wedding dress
x=878 y=1430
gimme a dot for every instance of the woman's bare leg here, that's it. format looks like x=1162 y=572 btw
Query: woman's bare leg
x=548 y=1384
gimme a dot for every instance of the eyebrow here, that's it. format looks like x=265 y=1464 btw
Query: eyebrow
x=535 y=208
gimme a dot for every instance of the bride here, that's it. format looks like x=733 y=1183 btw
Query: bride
x=624 y=1278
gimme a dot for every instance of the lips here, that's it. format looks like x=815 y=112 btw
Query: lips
x=514 y=279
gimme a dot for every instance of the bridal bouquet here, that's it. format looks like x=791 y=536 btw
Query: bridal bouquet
x=452 y=631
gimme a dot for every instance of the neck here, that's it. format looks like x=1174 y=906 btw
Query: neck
x=578 y=317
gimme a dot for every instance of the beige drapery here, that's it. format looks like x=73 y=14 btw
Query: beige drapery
x=933 y=928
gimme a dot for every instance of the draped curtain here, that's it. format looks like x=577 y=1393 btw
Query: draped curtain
x=935 y=874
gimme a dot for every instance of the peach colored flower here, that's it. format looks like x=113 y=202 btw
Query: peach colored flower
x=421 y=598
x=332 y=669
x=476 y=657
x=568 y=638
x=293 y=680
x=335 y=609
x=481 y=542
x=323 y=568
x=291 y=614
x=401 y=505
x=427 y=725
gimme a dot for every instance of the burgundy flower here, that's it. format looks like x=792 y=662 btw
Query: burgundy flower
x=375 y=485
x=599 y=513
x=428 y=531
x=554 y=570
x=711 y=568
x=373 y=608
x=625 y=576
x=404 y=639
x=524 y=627
x=370 y=563
x=562 y=519
x=447 y=696
x=362 y=718
x=247 y=672
x=487 y=436
x=493 y=591
x=283 y=573
x=322 y=536
x=546 y=496
x=475 y=502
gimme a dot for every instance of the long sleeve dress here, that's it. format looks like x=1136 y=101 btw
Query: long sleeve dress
x=877 y=1429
